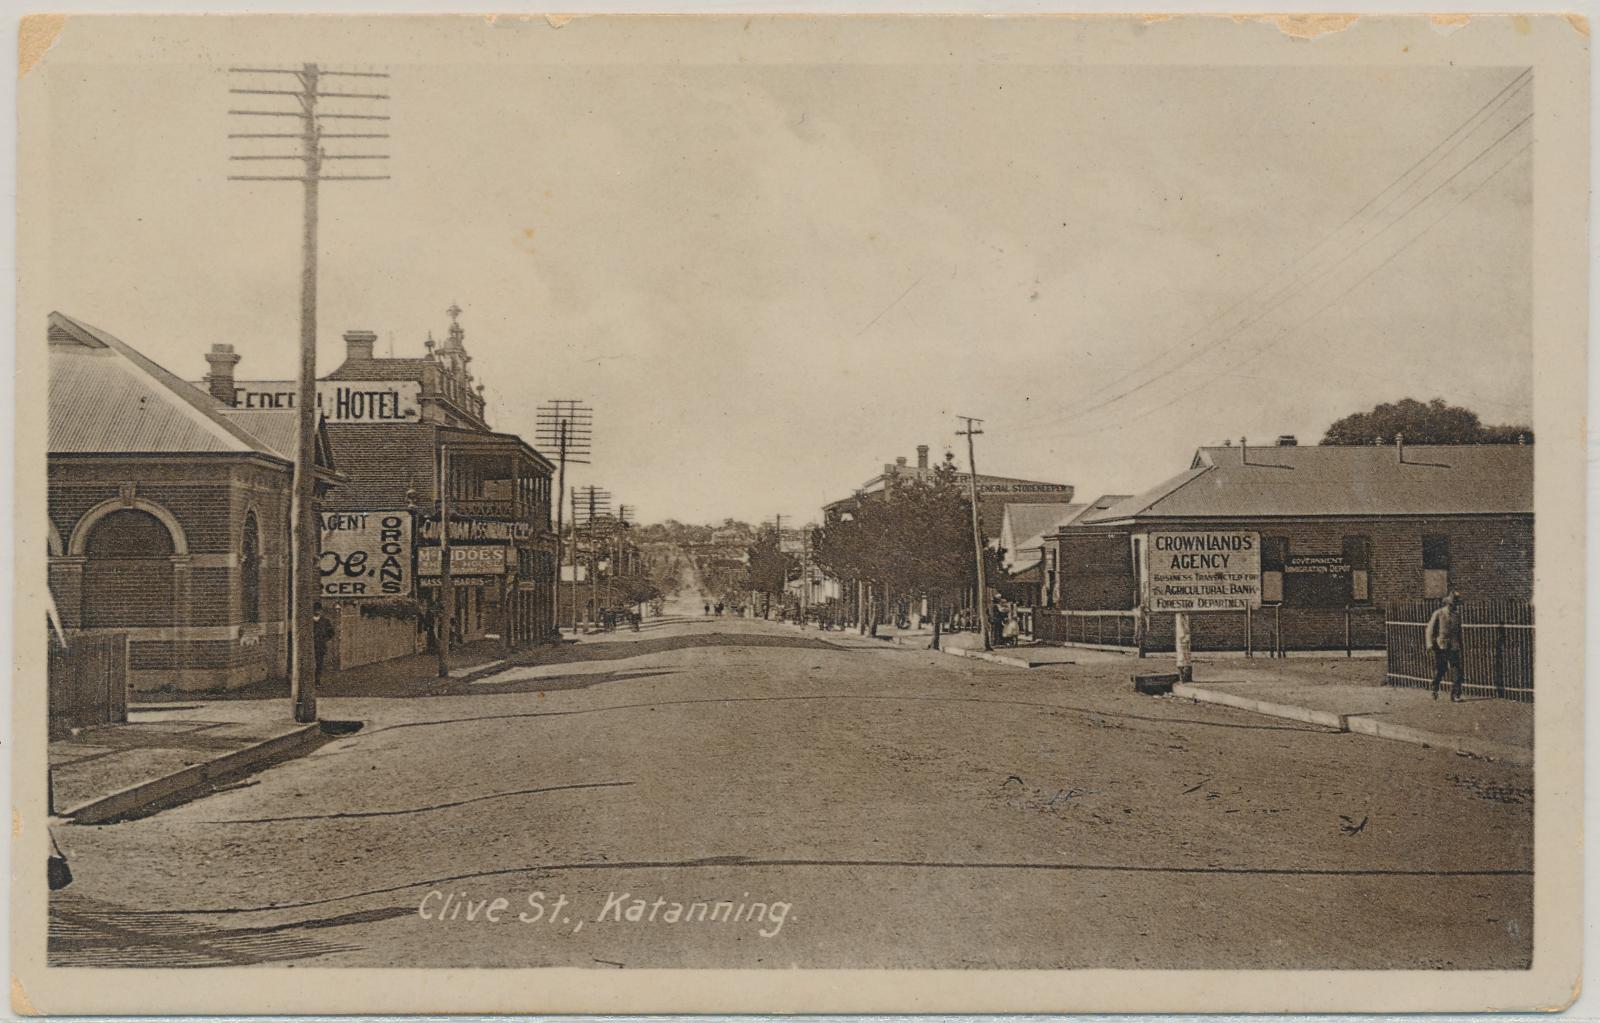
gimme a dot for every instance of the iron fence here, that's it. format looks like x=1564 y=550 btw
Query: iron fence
x=1104 y=628
x=1496 y=647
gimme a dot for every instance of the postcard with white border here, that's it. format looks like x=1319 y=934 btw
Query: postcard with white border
x=619 y=514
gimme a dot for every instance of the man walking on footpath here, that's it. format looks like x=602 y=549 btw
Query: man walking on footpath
x=1444 y=639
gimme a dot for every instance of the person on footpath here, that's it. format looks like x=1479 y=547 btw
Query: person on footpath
x=1444 y=639
x=321 y=635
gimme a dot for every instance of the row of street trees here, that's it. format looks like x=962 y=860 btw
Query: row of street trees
x=912 y=541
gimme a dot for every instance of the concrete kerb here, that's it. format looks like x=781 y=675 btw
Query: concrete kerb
x=1361 y=724
x=1327 y=719
x=1009 y=660
x=138 y=797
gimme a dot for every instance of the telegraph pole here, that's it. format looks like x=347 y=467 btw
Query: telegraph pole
x=567 y=425
x=805 y=574
x=304 y=541
x=977 y=534
x=597 y=502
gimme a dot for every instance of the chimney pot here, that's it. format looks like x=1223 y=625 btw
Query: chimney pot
x=901 y=461
x=219 y=382
x=922 y=456
x=1400 y=447
x=359 y=344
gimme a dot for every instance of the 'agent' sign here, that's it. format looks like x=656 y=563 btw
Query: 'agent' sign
x=1211 y=570
x=366 y=554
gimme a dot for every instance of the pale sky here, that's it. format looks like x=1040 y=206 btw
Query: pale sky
x=769 y=279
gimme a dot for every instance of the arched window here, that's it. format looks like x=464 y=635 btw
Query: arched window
x=250 y=569
x=127 y=577
x=129 y=534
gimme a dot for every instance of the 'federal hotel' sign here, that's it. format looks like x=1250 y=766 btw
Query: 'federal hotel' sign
x=341 y=401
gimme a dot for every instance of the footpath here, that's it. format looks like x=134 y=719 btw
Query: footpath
x=176 y=745
x=1339 y=693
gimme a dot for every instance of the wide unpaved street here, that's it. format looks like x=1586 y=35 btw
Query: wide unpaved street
x=881 y=806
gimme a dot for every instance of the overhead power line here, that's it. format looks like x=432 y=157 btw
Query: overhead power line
x=1322 y=271
x=1275 y=289
x=1285 y=333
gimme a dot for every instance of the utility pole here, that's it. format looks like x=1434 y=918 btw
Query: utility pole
x=597 y=503
x=977 y=534
x=574 y=561
x=304 y=540
x=783 y=601
x=805 y=574
x=567 y=425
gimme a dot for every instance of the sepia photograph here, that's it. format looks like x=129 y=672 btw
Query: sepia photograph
x=799 y=513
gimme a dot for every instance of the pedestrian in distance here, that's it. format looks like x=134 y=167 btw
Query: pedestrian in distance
x=1444 y=639
x=321 y=634
x=708 y=609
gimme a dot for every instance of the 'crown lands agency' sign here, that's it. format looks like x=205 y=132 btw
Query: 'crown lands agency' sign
x=1203 y=570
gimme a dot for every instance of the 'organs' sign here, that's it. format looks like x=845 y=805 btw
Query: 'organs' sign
x=366 y=554
x=1209 y=570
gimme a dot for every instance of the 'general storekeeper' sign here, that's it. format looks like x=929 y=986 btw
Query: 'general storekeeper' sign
x=366 y=554
x=1203 y=570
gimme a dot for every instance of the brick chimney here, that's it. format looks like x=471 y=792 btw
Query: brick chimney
x=220 y=380
x=358 y=345
x=922 y=456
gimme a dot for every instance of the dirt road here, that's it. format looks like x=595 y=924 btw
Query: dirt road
x=851 y=804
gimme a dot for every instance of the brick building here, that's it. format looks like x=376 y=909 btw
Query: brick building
x=168 y=515
x=397 y=426
x=1343 y=531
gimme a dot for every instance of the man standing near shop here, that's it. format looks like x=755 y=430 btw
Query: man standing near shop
x=1444 y=639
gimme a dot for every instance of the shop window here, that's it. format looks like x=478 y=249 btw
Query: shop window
x=1358 y=561
x=1274 y=555
x=1435 y=566
x=250 y=569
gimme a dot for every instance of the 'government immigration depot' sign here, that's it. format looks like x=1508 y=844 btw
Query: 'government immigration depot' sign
x=1203 y=570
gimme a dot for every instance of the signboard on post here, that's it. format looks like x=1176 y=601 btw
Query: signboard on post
x=464 y=560
x=365 y=554
x=1203 y=570
x=340 y=401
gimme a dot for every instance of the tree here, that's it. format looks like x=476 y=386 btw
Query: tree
x=914 y=540
x=1434 y=422
x=768 y=567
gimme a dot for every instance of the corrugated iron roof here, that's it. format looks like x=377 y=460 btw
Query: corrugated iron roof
x=1332 y=480
x=278 y=429
x=1027 y=522
x=107 y=397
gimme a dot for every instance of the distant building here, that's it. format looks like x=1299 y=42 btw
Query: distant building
x=1029 y=560
x=1342 y=531
x=168 y=515
x=396 y=425
x=994 y=492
